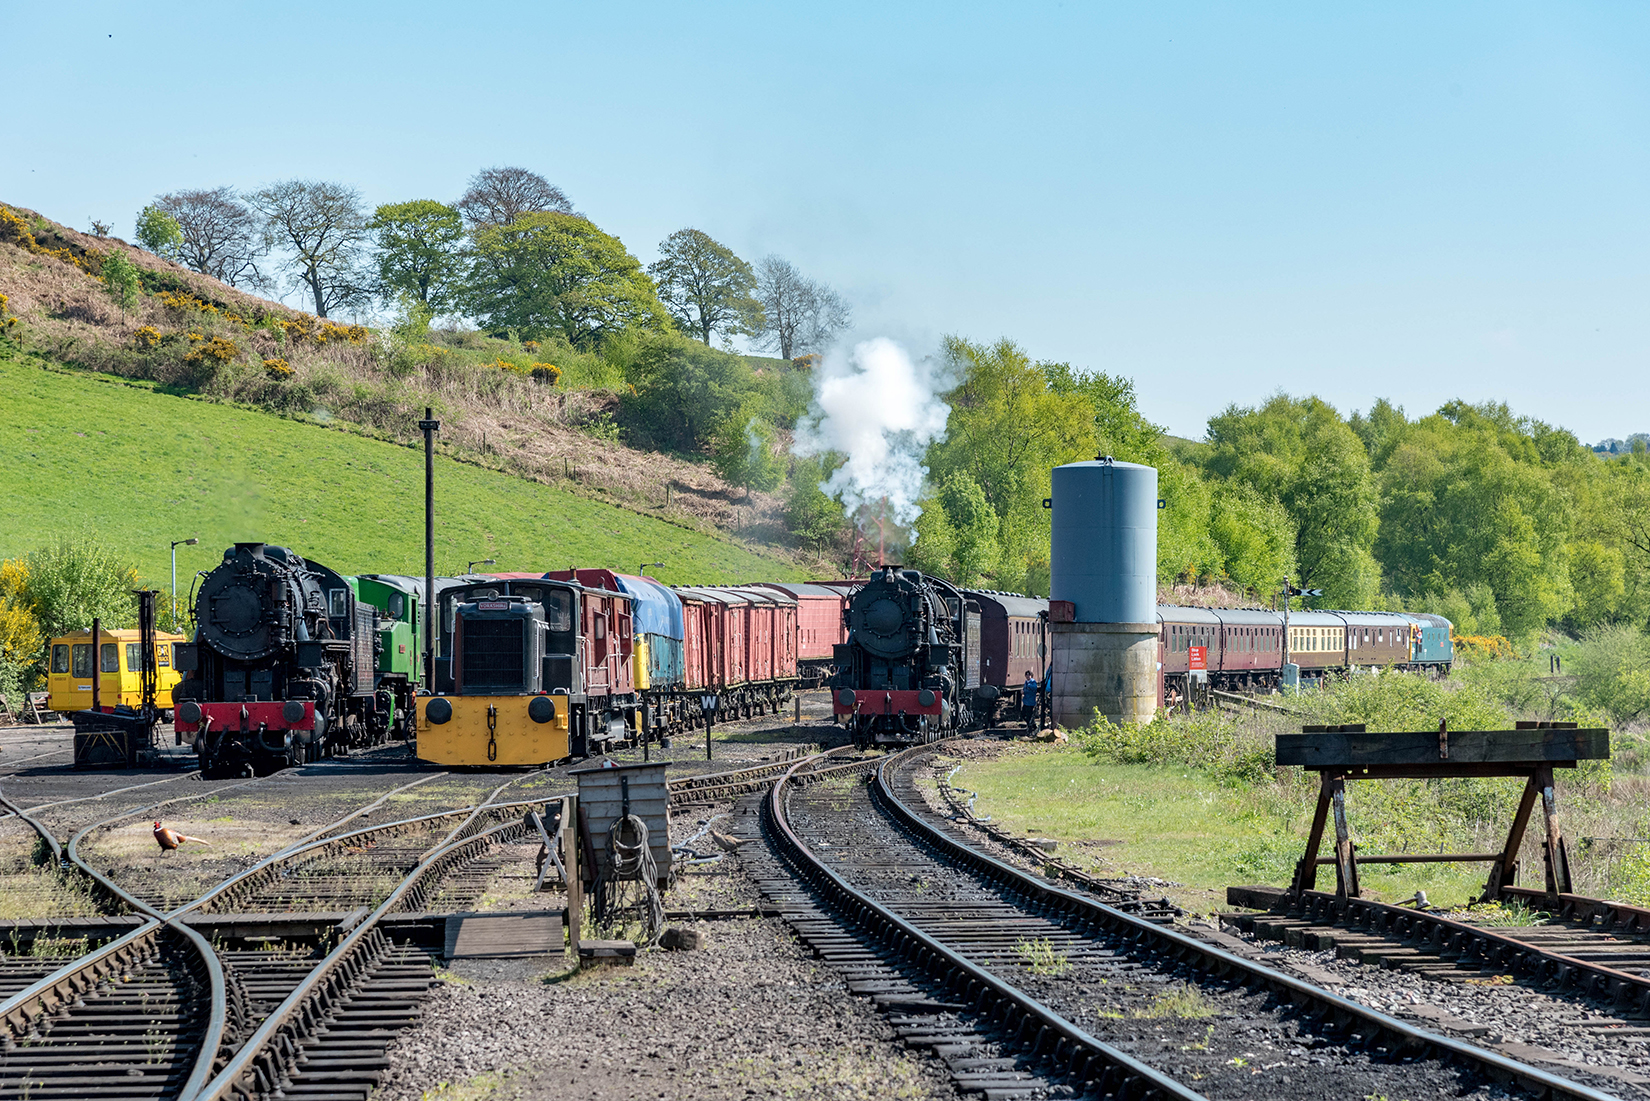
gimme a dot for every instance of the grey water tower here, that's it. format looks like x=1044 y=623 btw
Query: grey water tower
x=1103 y=592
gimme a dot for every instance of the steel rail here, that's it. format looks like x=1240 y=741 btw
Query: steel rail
x=1085 y=1057
x=1163 y=941
x=1437 y=933
x=116 y=791
x=260 y=1064
x=740 y=781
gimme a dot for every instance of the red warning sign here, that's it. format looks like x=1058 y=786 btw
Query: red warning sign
x=1197 y=657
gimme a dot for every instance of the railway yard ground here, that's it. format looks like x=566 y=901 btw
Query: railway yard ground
x=987 y=917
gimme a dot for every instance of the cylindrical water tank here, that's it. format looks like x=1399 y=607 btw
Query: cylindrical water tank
x=1104 y=554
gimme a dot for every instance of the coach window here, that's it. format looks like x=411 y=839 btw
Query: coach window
x=60 y=658
x=134 y=657
x=110 y=655
x=83 y=659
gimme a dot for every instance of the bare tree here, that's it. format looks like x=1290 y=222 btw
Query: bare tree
x=800 y=315
x=220 y=235
x=323 y=227
x=498 y=196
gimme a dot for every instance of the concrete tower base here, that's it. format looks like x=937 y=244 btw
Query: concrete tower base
x=1109 y=667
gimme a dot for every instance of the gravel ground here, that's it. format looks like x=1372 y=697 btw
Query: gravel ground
x=748 y=1015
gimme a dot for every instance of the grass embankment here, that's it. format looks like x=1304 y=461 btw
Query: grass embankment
x=1195 y=800
x=136 y=468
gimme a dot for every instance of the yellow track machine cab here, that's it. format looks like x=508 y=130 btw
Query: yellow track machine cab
x=499 y=712
x=118 y=666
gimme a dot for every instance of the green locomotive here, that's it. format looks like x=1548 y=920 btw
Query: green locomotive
x=399 y=671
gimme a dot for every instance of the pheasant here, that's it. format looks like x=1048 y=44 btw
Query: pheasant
x=169 y=839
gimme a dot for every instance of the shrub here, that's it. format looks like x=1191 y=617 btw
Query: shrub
x=218 y=349
x=1208 y=740
x=69 y=584
x=1403 y=701
x=6 y=322
x=21 y=639
x=1612 y=669
x=278 y=368
x=146 y=337
x=546 y=373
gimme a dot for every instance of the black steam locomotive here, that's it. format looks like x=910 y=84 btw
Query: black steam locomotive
x=281 y=670
x=909 y=669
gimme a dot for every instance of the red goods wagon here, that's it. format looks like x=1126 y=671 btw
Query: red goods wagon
x=739 y=644
x=770 y=640
x=819 y=627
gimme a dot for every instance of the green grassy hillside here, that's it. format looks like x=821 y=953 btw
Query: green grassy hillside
x=135 y=469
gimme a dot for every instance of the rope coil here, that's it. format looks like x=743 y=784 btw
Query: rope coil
x=632 y=862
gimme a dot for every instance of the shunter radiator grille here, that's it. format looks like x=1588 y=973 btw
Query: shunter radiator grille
x=492 y=655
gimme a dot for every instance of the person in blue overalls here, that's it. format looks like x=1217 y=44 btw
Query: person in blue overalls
x=1028 y=700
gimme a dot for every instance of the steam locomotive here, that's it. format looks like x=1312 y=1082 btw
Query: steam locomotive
x=911 y=665
x=282 y=669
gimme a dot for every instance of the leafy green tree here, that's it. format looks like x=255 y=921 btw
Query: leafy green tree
x=810 y=513
x=974 y=526
x=551 y=273
x=1119 y=429
x=159 y=232
x=420 y=252
x=121 y=280
x=1300 y=452
x=71 y=583
x=705 y=287
x=1254 y=535
x=1460 y=511
x=743 y=450
x=683 y=391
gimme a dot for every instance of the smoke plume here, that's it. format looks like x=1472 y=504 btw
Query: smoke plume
x=880 y=410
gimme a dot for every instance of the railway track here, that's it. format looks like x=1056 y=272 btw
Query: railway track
x=1023 y=988
x=1597 y=949
x=155 y=1010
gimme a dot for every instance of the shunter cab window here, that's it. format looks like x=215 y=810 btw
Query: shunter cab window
x=60 y=658
x=134 y=657
x=83 y=659
x=111 y=657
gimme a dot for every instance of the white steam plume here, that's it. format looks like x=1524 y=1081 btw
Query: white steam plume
x=880 y=410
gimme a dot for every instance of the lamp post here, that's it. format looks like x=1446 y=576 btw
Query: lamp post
x=642 y=570
x=470 y=568
x=175 y=544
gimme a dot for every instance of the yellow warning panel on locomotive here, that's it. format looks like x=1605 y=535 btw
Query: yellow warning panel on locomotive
x=492 y=731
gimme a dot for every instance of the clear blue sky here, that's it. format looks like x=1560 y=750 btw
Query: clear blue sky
x=1415 y=201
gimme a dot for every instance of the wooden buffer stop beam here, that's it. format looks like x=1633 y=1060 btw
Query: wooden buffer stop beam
x=1531 y=750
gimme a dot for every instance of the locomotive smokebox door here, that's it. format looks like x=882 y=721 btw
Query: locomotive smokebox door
x=607 y=795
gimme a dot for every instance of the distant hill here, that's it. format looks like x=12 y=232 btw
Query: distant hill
x=290 y=364
x=137 y=468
